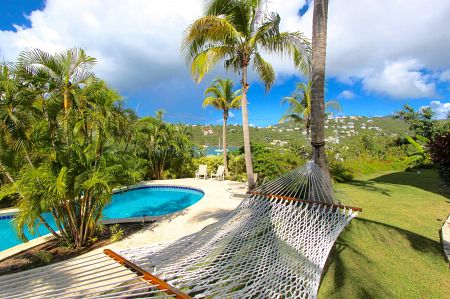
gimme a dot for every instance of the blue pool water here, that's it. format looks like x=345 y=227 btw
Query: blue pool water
x=145 y=201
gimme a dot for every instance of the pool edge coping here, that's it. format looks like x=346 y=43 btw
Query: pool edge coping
x=4 y=254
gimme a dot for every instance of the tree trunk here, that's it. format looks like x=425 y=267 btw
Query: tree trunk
x=308 y=130
x=224 y=142
x=45 y=223
x=319 y=43
x=246 y=132
x=8 y=175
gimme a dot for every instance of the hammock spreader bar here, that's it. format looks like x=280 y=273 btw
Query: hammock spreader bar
x=356 y=209
x=159 y=283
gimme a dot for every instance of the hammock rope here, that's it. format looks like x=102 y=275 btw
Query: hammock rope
x=273 y=245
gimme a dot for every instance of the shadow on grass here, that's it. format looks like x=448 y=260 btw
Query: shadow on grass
x=425 y=179
x=369 y=186
x=369 y=280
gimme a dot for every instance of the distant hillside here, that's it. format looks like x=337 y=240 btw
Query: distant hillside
x=338 y=130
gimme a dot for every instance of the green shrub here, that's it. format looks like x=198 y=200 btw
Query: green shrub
x=116 y=233
x=236 y=167
x=270 y=163
x=212 y=162
x=340 y=173
x=44 y=256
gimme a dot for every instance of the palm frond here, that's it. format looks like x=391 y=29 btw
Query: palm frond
x=264 y=70
x=293 y=44
x=333 y=104
x=206 y=60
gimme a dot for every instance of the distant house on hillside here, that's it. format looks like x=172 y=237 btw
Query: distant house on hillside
x=207 y=131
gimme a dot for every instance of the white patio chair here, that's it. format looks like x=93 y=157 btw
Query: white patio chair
x=202 y=172
x=220 y=173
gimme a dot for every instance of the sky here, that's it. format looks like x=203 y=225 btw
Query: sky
x=380 y=54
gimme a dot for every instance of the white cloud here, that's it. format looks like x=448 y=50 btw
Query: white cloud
x=441 y=110
x=230 y=114
x=137 y=42
x=365 y=35
x=401 y=79
x=346 y=94
x=445 y=76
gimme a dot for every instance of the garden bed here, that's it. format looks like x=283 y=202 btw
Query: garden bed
x=52 y=252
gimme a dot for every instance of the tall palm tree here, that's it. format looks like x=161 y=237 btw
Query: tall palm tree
x=319 y=45
x=300 y=106
x=238 y=32
x=220 y=95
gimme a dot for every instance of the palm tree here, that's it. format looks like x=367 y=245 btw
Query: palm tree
x=159 y=114
x=222 y=97
x=319 y=44
x=300 y=106
x=238 y=32
x=63 y=73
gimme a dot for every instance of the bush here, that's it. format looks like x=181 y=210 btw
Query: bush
x=338 y=170
x=270 y=163
x=212 y=162
x=439 y=148
x=116 y=233
x=340 y=173
x=44 y=256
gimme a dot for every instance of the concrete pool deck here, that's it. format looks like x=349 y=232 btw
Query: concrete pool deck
x=220 y=198
x=217 y=202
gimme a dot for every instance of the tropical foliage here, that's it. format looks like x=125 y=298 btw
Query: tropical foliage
x=421 y=122
x=67 y=142
x=165 y=149
x=221 y=96
x=420 y=154
x=238 y=32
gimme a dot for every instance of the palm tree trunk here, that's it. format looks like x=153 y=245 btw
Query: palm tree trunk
x=224 y=142
x=246 y=131
x=319 y=43
x=45 y=223
x=6 y=172
x=28 y=159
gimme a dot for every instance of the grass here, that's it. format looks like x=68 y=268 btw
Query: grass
x=392 y=250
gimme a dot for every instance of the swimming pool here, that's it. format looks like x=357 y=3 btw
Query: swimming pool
x=137 y=202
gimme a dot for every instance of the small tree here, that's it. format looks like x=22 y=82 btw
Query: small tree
x=420 y=122
x=221 y=96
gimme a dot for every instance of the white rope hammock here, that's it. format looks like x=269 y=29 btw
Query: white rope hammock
x=273 y=245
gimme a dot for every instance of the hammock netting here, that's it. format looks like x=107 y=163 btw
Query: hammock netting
x=273 y=245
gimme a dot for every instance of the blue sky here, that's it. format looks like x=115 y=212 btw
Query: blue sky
x=137 y=47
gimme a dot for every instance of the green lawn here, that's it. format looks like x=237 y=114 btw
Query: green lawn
x=392 y=249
